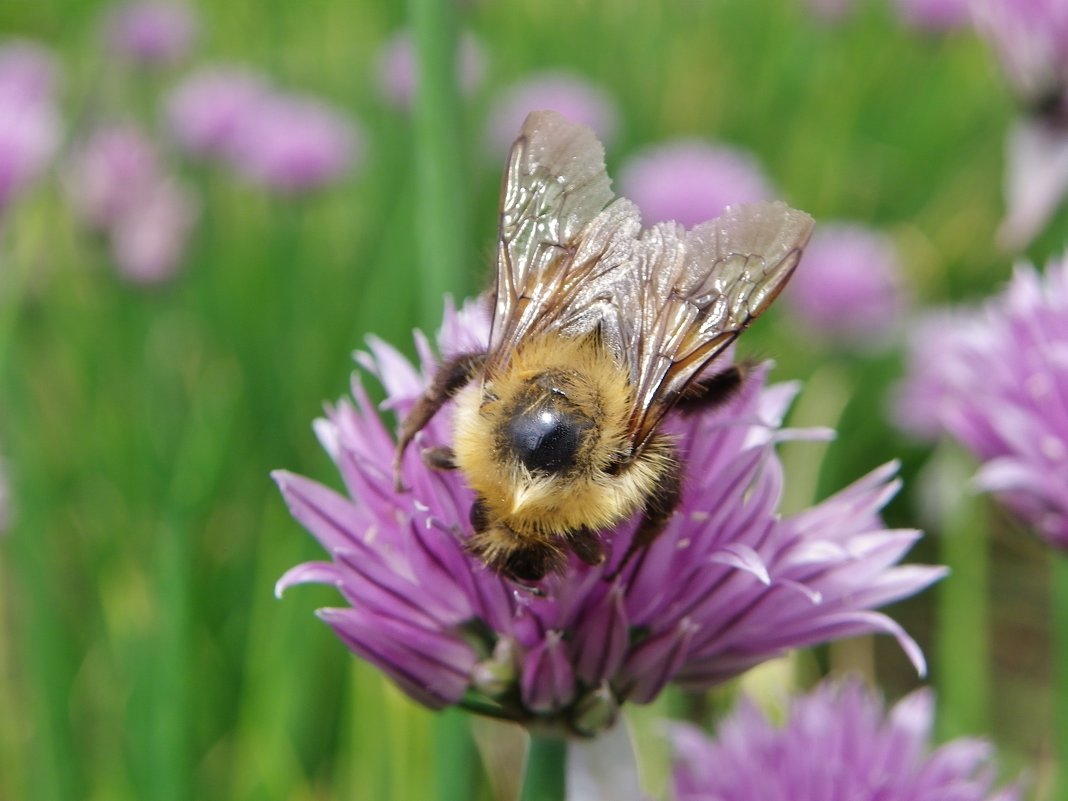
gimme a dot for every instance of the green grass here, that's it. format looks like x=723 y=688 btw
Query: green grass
x=142 y=652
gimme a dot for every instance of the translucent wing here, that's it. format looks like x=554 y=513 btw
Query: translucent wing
x=685 y=296
x=664 y=301
x=554 y=185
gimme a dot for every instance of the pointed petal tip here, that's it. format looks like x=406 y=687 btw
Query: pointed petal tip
x=288 y=579
x=910 y=647
x=308 y=573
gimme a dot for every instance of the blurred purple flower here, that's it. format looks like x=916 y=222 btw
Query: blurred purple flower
x=27 y=71
x=935 y=373
x=838 y=742
x=729 y=584
x=205 y=112
x=851 y=288
x=1031 y=38
x=293 y=144
x=996 y=380
x=152 y=32
x=397 y=70
x=110 y=174
x=118 y=187
x=29 y=121
x=1036 y=179
x=935 y=15
x=149 y=241
x=690 y=181
x=574 y=96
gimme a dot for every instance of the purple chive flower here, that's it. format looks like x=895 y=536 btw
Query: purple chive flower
x=1031 y=39
x=27 y=71
x=574 y=96
x=29 y=121
x=935 y=15
x=118 y=187
x=1036 y=179
x=148 y=242
x=153 y=32
x=110 y=173
x=397 y=71
x=839 y=742
x=851 y=288
x=293 y=144
x=996 y=380
x=729 y=584
x=690 y=181
x=206 y=111
x=936 y=374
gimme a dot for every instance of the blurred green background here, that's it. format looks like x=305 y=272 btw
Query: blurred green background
x=142 y=652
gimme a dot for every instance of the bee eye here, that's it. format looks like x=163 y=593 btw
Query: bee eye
x=545 y=438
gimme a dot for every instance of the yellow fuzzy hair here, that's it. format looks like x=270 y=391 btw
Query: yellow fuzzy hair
x=538 y=508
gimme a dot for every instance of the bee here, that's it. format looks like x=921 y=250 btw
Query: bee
x=599 y=329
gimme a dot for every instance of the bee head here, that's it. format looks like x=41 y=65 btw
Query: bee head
x=545 y=431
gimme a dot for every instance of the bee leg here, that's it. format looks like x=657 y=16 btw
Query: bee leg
x=713 y=391
x=587 y=546
x=530 y=563
x=439 y=458
x=450 y=378
x=658 y=510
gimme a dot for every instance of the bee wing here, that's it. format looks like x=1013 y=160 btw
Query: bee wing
x=554 y=185
x=685 y=296
x=664 y=301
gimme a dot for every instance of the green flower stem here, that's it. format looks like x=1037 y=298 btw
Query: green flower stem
x=46 y=653
x=544 y=774
x=1059 y=620
x=169 y=748
x=442 y=234
x=442 y=226
x=198 y=468
x=50 y=665
x=453 y=755
x=962 y=645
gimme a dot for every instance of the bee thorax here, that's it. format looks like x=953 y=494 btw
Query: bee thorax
x=542 y=443
x=546 y=438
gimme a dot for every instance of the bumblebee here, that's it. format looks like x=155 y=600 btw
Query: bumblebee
x=599 y=329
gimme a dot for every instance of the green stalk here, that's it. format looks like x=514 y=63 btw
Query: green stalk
x=442 y=232
x=12 y=778
x=454 y=754
x=1059 y=620
x=198 y=465
x=544 y=777
x=276 y=708
x=46 y=653
x=169 y=751
x=49 y=665
x=441 y=219
x=962 y=642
